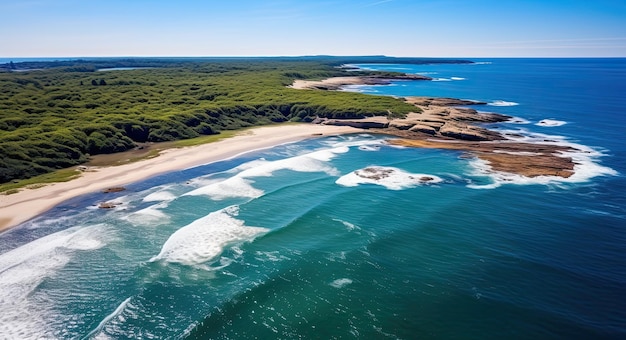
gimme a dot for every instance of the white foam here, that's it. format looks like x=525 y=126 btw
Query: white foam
x=340 y=283
x=369 y=148
x=585 y=158
x=351 y=141
x=348 y=225
x=240 y=184
x=502 y=103
x=205 y=238
x=24 y=268
x=159 y=196
x=391 y=178
x=108 y=318
x=232 y=187
x=359 y=88
x=441 y=79
x=150 y=216
x=518 y=120
x=457 y=78
x=550 y=123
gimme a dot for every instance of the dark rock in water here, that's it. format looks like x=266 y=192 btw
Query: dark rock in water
x=114 y=189
x=108 y=205
x=374 y=173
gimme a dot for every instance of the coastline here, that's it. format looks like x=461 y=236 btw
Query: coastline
x=448 y=123
x=29 y=203
x=440 y=123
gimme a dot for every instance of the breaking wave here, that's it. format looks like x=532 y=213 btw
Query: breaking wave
x=550 y=123
x=205 y=238
x=502 y=103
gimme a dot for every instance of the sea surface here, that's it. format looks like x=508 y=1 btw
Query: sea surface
x=290 y=242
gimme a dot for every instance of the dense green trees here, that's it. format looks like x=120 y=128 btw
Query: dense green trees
x=49 y=121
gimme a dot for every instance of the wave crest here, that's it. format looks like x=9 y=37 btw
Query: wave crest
x=502 y=103
x=205 y=238
x=550 y=123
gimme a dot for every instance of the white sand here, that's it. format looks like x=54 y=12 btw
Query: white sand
x=300 y=84
x=28 y=203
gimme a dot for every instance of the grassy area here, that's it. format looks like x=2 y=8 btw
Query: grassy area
x=63 y=175
x=206 y=139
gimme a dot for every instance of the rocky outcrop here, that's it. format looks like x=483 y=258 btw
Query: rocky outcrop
x=468 y=132
x=108 y=205
x=402 y=124
x=421 y=128
x=530 y=160
x=442 y=124
x=332 y=84
x=365 y=123
x=114 y=189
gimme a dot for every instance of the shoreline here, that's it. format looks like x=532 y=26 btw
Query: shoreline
x=440 y=124
x=447 y=123
x=29 y=203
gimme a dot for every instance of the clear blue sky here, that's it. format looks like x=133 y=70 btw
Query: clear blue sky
x=429 y=28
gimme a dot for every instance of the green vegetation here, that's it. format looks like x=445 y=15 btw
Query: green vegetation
x=58 y=116
x=39 y=181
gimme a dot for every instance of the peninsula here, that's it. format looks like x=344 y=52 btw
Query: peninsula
x=448 y=123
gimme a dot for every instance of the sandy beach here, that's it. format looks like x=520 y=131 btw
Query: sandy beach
x=29 y=203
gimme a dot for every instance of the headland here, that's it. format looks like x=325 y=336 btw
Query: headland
x=449 y=123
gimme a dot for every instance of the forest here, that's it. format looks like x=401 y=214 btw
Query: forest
x=54 y=115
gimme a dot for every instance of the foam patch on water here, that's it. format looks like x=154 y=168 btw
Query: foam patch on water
x=457 y=78
x=24 y=268
x=586 y=161
x=232 y=187
x=502 y=103
x=348 y=225
x=550 y=123
x=159 y=196
x=240 y=184
x=442 y=79
x=369 y=148
x=518 y=120
x=150 y=216
x=347 y=142
x=390 y=178
x=340 y=283
x=204 y=239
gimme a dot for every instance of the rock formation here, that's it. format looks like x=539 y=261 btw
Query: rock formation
x=446 y=123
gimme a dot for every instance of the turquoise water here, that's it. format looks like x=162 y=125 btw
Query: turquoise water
x=289 y=243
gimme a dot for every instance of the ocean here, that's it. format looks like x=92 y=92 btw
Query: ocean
x=289 y=243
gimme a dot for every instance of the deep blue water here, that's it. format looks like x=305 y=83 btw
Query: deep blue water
x=285 y=243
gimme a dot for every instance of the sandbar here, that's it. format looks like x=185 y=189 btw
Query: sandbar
x=29 y=203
